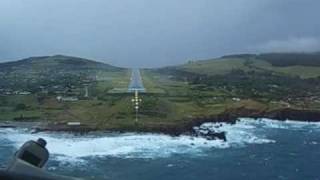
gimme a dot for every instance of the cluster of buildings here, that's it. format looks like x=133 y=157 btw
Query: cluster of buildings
x=13 y=92
x=62 y=93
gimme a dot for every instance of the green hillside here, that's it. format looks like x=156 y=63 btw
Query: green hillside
x=302 y=65
x=29 y=89
x=54 y=63
x=47 y=71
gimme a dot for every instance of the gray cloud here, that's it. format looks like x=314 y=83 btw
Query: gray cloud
x=150 y=32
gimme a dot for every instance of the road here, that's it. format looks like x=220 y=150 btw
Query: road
x=136 y=83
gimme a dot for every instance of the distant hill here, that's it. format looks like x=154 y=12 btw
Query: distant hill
x=292 y=59
x=284 y=59
x=304 y=65
x=55 y=63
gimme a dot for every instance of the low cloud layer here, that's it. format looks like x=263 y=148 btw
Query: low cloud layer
x=304 y=44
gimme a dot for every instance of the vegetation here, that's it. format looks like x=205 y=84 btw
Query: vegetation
x=62 y=89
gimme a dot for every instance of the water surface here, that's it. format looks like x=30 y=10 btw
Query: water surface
x=263 y=149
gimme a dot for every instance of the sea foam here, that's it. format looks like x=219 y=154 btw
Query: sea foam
x=66 y=146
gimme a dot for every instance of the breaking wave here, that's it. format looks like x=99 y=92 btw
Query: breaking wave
x=65 y=146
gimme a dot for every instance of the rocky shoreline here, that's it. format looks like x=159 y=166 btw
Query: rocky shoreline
x=229 y=116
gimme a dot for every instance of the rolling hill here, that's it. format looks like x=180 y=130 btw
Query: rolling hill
x=291 y=64
x=31 y=73
x=54 y=63
x=58 y=88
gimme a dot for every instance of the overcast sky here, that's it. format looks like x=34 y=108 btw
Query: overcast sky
x=149 y=33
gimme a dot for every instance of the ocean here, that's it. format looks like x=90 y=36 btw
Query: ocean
x=255 y=149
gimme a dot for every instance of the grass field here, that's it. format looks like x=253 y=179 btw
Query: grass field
x=113 y=82
x=226 y=65
x=87 y=110
x=215 y=66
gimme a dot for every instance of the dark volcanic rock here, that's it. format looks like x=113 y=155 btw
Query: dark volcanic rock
x=294 y=114
x=216 y=135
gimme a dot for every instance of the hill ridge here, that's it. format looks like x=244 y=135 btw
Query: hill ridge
x=58 y=61
x=304 y=65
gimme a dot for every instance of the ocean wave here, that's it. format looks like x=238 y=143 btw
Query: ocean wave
x=130 y=145
x=275 y=124
x=66 y=147
x=239 y=134
x=70 y=147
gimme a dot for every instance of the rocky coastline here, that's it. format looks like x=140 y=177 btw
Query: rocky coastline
x=228 y=116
